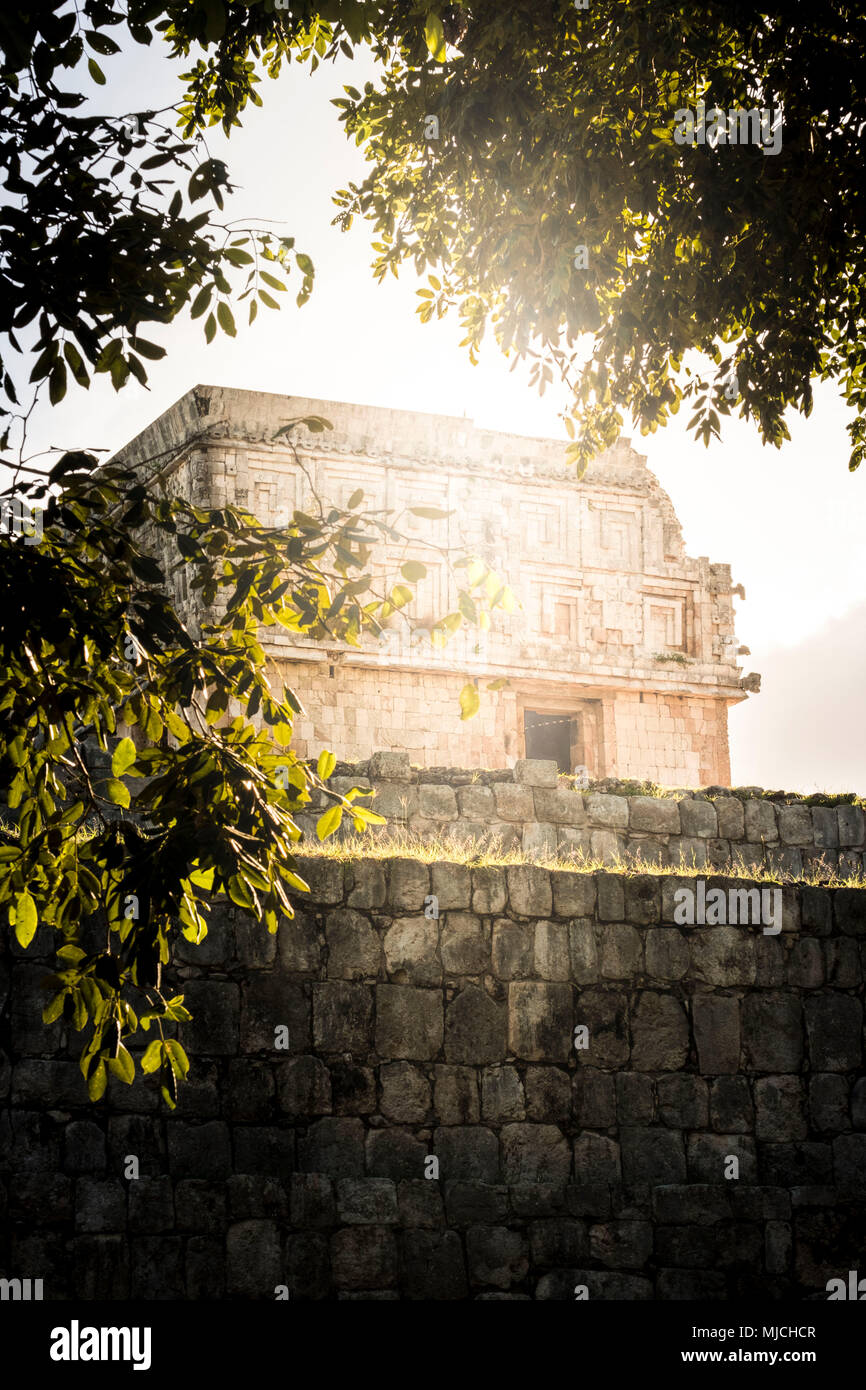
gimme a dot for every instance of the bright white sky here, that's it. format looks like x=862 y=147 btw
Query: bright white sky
x=789 y=522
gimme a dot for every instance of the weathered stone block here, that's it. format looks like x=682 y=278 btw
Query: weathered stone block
x=621 y=951
x=455 y=1095
x=312 y=1201
x=534 y=1153
x=420 y=1203
x=834 y=1025
x=660 y=1033
x=436 y=802
x=513 y=803
x=761 y=822
x=849 y=905
x=100 y=1205
x=551 y=951
x=268 y=1001
x=729 y=810
x=354 y=949
x=368 y=887
x=772 y=1032
x=214 y=1005
x=452 y=887
x=343 y=1016
x=501 y=1095
x=594 y=1098
x=409 y=1022
x=364 y=1257
x=474 y=1028
x=683 y=1101
x=583 y=951
x=334 y=1147
x=496 y=1256
x=367 y=1201
x=467 y=1151
x=476 y=803
x=780 y=1108
x=828 y=1102
x=488 y=889
x=852 y=825
x=548 y=1095
x=642 y=899
x=303 y=1086
x=795 y=825
x=298 y=944
x=608 y=811
x=353 y=1088
x=433 y=1265
x=529 y=891
x=611 y=897
x=408 y=886
x=539 y=1022
x=849 y=1165
x=634 y=1098
x=465 y=944
x=558 y=1241
x=573 y=893
x=199 y=1151
x=405 y=1092
x=536 y=772
x=699 y=819
x=539 y=840
x=605 y=1015
x=412 y=951
x=667 y=953
x=559 y=806
x=597 y=1160
x=468 y=1203
x=651 y=1156
x=716 y=1020
x=83 y=1148
x=391 y=767
x=513 y=950
x=709 y=1153
x=731 y=1110
x=656 y=814
x=622 y=1244
x=723 y=955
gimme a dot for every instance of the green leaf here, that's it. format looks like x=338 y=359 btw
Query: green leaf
x=96 y=1082
x=326 y=764
x=429 y=513
x=177 y=1058
x=116 y=792
x=226 y=319
x=470 y=701
x=98 y=76
x=355 y=500
x=122 y=1065
x=152 y=1059
x=434 y=35
x=329 y=822
x=123 y=757
x=414 y=571
x=26 y=920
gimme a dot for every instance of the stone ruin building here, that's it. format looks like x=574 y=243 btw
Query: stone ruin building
x=622 y=658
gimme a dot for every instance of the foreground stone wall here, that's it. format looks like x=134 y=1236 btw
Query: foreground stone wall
x=413 y=1037
x=530 y=807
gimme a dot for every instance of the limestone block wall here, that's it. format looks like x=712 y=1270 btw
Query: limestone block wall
x=532 y=808
x=431 y=1131
x=354 y=709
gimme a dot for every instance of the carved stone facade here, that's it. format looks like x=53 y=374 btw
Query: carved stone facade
x=622 y=657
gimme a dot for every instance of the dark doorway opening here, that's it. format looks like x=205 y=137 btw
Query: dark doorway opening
x=550 y=736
